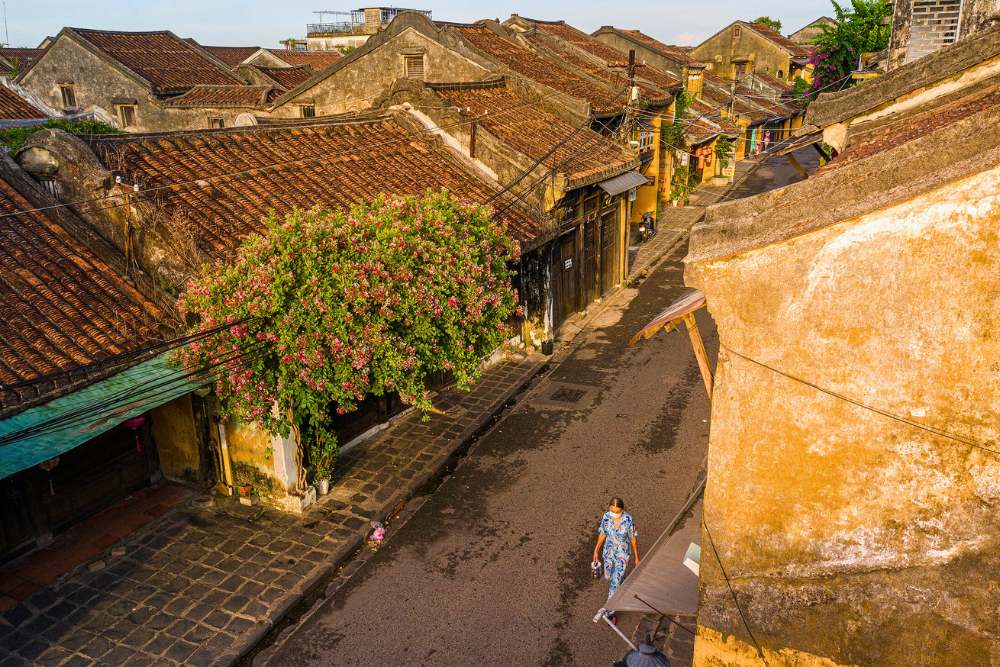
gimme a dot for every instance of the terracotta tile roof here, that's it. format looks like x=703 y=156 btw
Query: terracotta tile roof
x=286 y=77
x=23 y=58
x=232 y=179
x=797 y=50
x=532 y=131
x=317 y=60
x=658 y=94
x=232 y=55
x=908 y=157
x=13 y=106
x=603 y=100
x=911 y=127
x=168 y=63
x=677 y=52
x=250 y=97
x=61 y=305
x=704 y=121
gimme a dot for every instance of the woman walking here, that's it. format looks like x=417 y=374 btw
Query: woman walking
x=617 y=535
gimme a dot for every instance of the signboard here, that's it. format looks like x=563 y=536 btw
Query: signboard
x=568 y=264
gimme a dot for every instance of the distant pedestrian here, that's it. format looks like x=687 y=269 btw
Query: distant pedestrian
x=618 y=537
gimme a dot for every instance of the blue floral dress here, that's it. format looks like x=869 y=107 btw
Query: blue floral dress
x=617 y=548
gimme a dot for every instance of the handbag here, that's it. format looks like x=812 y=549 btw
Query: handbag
x=597 y=569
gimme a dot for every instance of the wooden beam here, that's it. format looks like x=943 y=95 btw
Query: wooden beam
x=699 y=352
x=797 y=166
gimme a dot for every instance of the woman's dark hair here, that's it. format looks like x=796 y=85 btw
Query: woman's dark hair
x=618 y=502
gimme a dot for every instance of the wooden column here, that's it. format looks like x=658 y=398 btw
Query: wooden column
x=699 y=352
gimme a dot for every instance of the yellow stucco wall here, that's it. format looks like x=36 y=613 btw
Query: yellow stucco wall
x=252 y=448
x=176 y=439
x=850 y=536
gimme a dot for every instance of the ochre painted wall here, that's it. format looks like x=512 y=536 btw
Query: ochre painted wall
x=177 y=439
x=848 y=535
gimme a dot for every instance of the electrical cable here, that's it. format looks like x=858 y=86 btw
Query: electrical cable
x=885 y=413
x=732 y=592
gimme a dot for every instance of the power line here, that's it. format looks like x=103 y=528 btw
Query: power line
x=732 y=592
x=885 y=413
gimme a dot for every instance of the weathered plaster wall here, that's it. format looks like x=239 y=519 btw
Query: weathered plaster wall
x=642 y=53
x=722 y=48
x=851 y=536
x=356 y=85
x=176 y=439
x=97 y=84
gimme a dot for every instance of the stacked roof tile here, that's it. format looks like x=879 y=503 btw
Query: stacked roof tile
x=250 y=97
x=286 y=77
x=571 y=41
x=168 y=63
x=602 y=99
x=532 y=131
x=797 y=50
x=316 y=60
x=232 y=55
x=679 y=53
x=866 y=143
x=15 y=107
x=18 y=59
x=61 y=305
x=231 y=180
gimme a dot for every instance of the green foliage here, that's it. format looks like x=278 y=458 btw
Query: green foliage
x=858 y=29
x=13 y=138
x=245 y=474
x=347 y=49
x=332 y=306
x=773 y=24
x=680 y=185
x=322 y=452
x=723 y=150
x=672 y=134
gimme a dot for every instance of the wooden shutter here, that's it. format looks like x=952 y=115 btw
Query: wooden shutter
x=414 y=67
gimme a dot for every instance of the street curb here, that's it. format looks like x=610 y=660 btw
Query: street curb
x=346 y=553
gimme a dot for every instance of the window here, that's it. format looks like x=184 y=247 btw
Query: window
x=68 y=95
x=126 y=115
x=216 y=123
x=781 y=74
x=308 y=110
x=741 y=70
x=414 y=67
x=737 y=31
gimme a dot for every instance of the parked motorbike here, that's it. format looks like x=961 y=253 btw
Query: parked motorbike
x=646 y=228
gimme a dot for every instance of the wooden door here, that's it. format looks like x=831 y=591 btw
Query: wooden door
x=609 y=250
x=563 y=275
x=591 y=289
x=17 y=530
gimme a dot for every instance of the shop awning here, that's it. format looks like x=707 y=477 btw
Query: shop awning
x=666 y=580
x=46 y=431
x=671 y=317
x=623 y=182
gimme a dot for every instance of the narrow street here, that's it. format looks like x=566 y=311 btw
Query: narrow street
x=494 y=568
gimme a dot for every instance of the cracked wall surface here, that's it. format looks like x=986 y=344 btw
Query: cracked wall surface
x=852 y=537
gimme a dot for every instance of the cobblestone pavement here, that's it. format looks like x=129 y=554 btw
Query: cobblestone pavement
x=202 y=585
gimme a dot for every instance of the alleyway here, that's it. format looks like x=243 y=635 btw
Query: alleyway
x=494 y=569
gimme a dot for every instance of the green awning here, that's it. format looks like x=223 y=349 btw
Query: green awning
x=46 y=431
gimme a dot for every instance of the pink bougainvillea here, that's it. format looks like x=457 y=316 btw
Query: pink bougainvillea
x=331 y=306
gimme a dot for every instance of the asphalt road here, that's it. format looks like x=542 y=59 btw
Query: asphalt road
x=495 y=568
x=774 y=172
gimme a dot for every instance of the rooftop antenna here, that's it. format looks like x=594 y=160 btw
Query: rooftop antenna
x=6 y=33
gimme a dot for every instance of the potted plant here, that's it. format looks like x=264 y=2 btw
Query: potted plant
x=322 y=456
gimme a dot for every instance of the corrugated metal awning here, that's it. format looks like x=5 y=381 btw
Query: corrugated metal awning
x=46 y=431
x=623 y=182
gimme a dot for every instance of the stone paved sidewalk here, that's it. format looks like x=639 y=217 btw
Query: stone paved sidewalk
x=674 y=223
x=203 y=584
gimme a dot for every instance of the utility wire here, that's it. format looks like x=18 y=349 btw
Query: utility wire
x=732 y=592
x=885 y=413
